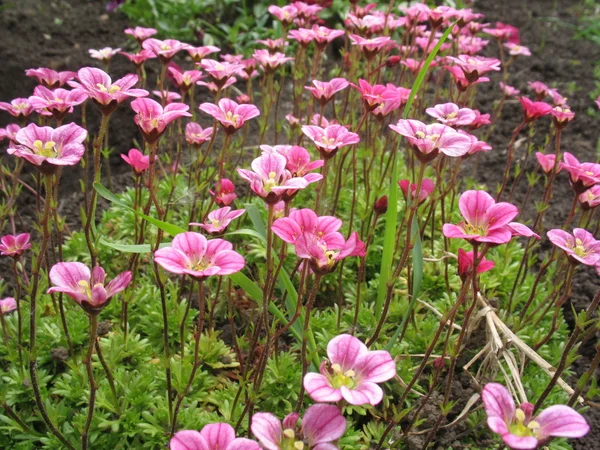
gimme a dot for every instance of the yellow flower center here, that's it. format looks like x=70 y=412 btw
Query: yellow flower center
x=231 y=117
x=48 y=149
x=579 y=248
x=289 y=441
x=339 y=378
x=519 y=428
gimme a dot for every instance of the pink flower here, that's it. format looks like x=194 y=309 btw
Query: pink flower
x=508 y=91
x=504 y=32
x=214 y=88
x=516 y=425
x=104 y=54
x=88 y=290
x=285 y=14
x=47 y=148
x=325 y=90
x=317 y=239
x=106 y=94
x=219 y=220
x=590 y=198
x=297 y=159
x=322 y=425
x=184 y=80
x=270 y=61
x=581 y=246
x=465 y=264
x=195 y=135
x=225 y=192
x=330 y=139
x=269 y=179
x=323 y=35
x=192 y=254
x=14 y=245
x=221 y=72
x=582 y=175
x=540 y=89
x=352 y=373
x=199 y=53
x=231 y=115
x=152 y=119
x=534 y=110
x=461 y=81
x=598 y=102
x=371 y=47
x=475 y=66
x=451 y=115
x=546 y=162
x=517 y=50
x=164 y=50
x=562 y=115
x=427 y=187
x=415 y=65
x=214 y=436
x=19 y=107
x=59 y=102
x=274 y=45
x=136 y=159
x=139 y=58
x=10 y=133
x=50 y=78
x=167 y=96
x=7 y=305
x=428 y=140
x=476 y=145
x=140 y=33
x=485 y=220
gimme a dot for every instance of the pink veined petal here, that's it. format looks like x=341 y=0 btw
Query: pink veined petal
x=217 y=245
x=119 y=283
x=229 y=262
x=70 y=133
x=306 y=219
x=243 y=444
x=91 y=77
x=267 y=428
x=498 y=236
x=208 y=272
x=248 y=111
x=210 y=109
x=334 y=241
x=127 y=82
x=520 y=442
x=193 y=245
x=317 y=253
x=188 y=440
x=474 y=205
x=498 y=403
x=501 y=214
x=172 y=260
x=362 y=394
x=452 y=231
x=319 y=389
x=98 y=275
x=561 y=421
x=559 y=237
x=99 y=295
x=29 y=134
x=328 y=224
x=376 y=366
x=290 y=421
x=345 y=350
x=325 y=446
x=287 y=229
x=292 y=183
x=323 y=423
x=454 y=144
x=71 y=292
x=218 y=435
x=69 y=274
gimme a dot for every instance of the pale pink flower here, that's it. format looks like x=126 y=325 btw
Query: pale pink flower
x=581 y=246
x=104 y=54
x=324 y=91
x=195 y=135
x=164 y=50
x=140 y=33
x=231 y=115
x=562 y=115
x=519 y=430
x=7 y=305
x=192 y=254
x=292 y=120
x=330 y=139
x=50 y=78
x=221 y=71
x=219 y=219
x=323 y=35
x=427 y=187
x=475 y=66
x=58 y=102
x=427 y=141
x=508 y=91
x=14 y=245
x=269 y=179
x=152 y=119
x=321 y=427
x=547 y=162
x=534 y=110
x=557 y=98
x=167 y=96
x=10 y=132
x=373 y=46
x=214 y=436
x=270 y=61
x=19 y=107
x=465 y=264
x=214 y=88
x=353 y=373
x=199 y=53
x=285 y=14
x=139 y=58
x=471 y=45
x=48 y=148
x=582 y=175
x=517 y=50
x=274 y=45
x=450 y=114
x=184 y=80
x=87 y=289
x=304 y=36
x=137 y=160
x=225 y=192
x=540 y=89
x=107 y=95
x=322 y=121
x=476 y=145
x=243 y=99
x=590 y=198
x=485 y=221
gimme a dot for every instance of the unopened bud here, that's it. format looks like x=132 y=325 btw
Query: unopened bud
x=393 y=61
x=381 y=205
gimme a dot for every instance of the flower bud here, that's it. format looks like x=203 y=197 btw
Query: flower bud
x=393 y=61
x=381 y=205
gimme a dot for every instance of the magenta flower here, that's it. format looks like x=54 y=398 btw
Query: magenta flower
x=582 y=175
x=219 y=219
x=270 y=61
x=330 y=139
x=184 y=80
x=461 y=81
x=104 y=54
x=50 y=78
x=199 y=53
x=427 y=187
x=352 y=373
x=476 y=144
x=465 y=264
x=164 y=50
x=221 y=72
x=87 y=289
x=504 y=32
x=323 y=35
x=427 y=141
x=214 y=436
x=192 y=254
x=475 y=66
x=14 y=246
x=106 y=94
x=7 y=305
x=485 y=221
x=152 y=118
x=140 y=33
x=195 y=135
x=562 y=115
x=140 y=57
x=19 y=107
x=516 y=425
x=285 y=14
x=321 y=426
x=450 y=114
x=225 y=192
x=324 y=91
x=546 y=162
x=297 y=159
x=540 y=89
x=48 y=148
x=214 y=88
x=269 y=179
x=58 y=102
x=138 y=162
x=373 y=46
x=534 y=110
x=231 y=115
x=581 y=246
x=557 y=98
x=590 y=198
x=10 y=133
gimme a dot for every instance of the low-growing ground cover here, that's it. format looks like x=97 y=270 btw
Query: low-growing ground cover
x=235 y=329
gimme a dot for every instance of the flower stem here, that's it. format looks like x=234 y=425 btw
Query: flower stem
x=93 y=387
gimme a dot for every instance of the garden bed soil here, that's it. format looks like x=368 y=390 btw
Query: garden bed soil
x=58 y=34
